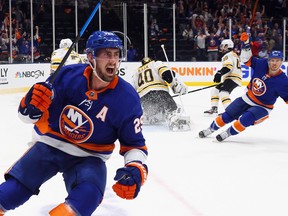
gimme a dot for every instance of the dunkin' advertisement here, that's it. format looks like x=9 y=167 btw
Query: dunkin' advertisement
x=19 y=77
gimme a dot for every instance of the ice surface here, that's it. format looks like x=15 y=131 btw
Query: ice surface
x=245 y=175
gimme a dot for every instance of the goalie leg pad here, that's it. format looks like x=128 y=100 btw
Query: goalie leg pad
x=178 y=122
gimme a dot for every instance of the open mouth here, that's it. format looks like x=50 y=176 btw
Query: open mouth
x=110 y=70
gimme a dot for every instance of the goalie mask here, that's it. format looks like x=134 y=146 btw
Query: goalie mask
x=101 y=40
x=226 y=45
x=146 y=60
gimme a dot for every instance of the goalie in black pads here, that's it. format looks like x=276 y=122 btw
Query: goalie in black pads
x=152 y=81
x=230 y=74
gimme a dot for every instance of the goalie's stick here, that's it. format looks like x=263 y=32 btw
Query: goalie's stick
x=195 y=90
x=53 y=76
x=164 y=51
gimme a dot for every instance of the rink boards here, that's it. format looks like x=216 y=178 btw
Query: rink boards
x=18 y=77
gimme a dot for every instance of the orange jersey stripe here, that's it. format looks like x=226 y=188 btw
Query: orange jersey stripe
x=44 y=128
x=261 y=120
x=124 y=149
x=254 y=99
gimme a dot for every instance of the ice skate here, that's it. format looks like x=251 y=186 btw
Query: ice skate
x=220 y=137
x=205 y=132
x=213 y=110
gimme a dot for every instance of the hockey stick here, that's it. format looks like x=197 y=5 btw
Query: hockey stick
x=53 y=76
x=164 y=51
x=195 y=90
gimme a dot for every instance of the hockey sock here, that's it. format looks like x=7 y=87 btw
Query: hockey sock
x=225 y=98
x=13 y=194
x=87 y=206
x=246 y=120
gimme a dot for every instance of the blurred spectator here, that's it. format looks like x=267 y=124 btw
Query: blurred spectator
x=188 y=33
x=212 y=42
x=198 y=23
x=19 y=16
x=237 y=46
x=180 y=8
x=23 y=45
x=4 y=42
x=153 y=6
x=278 y=39
x=263 y=53
x=131 y=54
x=154 y=30
x=36 y=46
x=256 y=46
x=200 y=43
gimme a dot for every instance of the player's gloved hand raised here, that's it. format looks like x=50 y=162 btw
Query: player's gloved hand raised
x=245 y=38
x=130 y=179
x=37 y=100
x=178 y=87
x=217 y=77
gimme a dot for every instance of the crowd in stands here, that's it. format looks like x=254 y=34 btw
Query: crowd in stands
x=21 y=34
x=201 y=25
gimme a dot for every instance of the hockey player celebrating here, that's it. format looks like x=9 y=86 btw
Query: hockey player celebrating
x=231 y=75
x=58 y=54
x=152 y=81
x=267 y=83
x=77 y=121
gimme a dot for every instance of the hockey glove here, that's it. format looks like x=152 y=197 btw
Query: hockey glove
x=130 y=179
x=245 y=40
x=217 y=77
x=178 y=87
x=37 y=100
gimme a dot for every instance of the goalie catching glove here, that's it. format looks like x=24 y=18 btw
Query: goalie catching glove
x=178 y=87
x=130 y=179
x=37 y=100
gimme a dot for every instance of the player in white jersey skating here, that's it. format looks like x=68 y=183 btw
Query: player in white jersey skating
x=231 y=75
x=152 y=81
x=58 y=55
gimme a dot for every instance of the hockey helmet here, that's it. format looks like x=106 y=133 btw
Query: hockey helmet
x=65 y=43
x=146 y=60
x=226 y=44
x=101 y=40
x=276 y=54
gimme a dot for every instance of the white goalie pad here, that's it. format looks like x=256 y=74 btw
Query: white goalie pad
x=178 y=122
x=156 y=119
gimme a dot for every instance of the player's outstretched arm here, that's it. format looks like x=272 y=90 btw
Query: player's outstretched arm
x=130 y=179
x=36 y=102
x=246 y=53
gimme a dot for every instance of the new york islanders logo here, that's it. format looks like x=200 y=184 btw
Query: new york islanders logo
x=258 y=87
x=75 y=125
